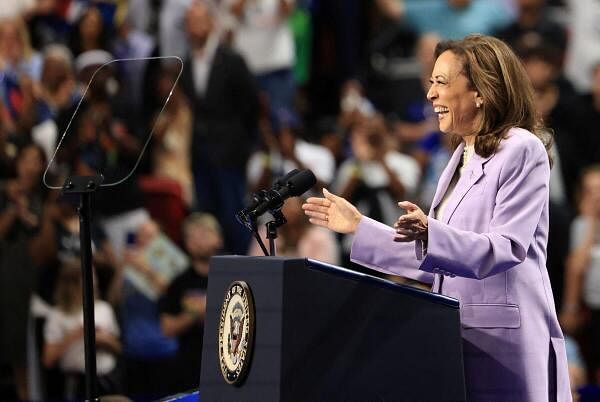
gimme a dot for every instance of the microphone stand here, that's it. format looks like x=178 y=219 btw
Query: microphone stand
x=253 y=227
x=85 y=186
x=279 y=220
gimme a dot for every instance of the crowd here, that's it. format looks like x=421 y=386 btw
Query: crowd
x=255 y=88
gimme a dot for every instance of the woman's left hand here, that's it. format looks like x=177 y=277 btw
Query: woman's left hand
x=411 y=226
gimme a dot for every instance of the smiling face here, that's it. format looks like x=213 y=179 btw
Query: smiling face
x=453 y=99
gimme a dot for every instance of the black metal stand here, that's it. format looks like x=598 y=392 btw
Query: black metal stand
x=279 y=220
x=85 y=187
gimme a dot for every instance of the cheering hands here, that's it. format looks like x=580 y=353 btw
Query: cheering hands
x=332 y=212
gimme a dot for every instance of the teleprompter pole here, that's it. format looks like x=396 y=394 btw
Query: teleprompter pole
x=85 y=186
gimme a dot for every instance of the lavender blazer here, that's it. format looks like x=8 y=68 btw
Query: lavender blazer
x=490 y=248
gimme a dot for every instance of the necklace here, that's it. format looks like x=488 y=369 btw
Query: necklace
x=467 y=154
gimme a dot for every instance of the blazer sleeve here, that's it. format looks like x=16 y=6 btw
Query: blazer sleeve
x=522 y=195
x=374 y=247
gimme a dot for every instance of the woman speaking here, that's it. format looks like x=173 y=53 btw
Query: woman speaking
x=484 y=239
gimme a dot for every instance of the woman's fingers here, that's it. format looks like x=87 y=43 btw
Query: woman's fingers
x=407 y=205
x=329 y=197
x=408 y=219
x=322 y=215
x=317 y=201
x=403 y=238
x=314 y=208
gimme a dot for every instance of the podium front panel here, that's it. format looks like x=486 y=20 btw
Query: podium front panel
x=328 y=334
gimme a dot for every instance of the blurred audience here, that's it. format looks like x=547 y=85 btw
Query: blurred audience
x=26 y=243
x=582 y=279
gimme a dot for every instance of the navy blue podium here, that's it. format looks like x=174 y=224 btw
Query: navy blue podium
x=325 y=333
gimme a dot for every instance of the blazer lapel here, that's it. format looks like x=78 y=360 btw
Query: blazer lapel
x=446 y=177
x=471 y=175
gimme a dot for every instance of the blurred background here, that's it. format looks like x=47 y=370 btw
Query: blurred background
x=266 y=86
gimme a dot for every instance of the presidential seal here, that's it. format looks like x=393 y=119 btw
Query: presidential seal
x=236 y=332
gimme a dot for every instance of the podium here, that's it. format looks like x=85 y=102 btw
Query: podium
x=325 y=333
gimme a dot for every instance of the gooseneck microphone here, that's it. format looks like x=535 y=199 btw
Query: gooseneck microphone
x=293 y=184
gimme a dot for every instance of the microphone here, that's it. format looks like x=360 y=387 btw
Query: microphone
x=293 y=184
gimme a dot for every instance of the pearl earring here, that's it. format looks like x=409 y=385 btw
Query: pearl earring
x=478 y=104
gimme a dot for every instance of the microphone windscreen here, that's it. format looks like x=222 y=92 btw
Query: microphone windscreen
x=301 y=182
x=283 y=181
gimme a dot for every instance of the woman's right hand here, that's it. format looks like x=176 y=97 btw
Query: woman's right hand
x=332 y=212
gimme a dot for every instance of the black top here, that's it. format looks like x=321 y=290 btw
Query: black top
x=190 y=342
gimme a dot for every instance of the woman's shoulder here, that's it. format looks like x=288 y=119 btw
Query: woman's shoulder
x=521 y=141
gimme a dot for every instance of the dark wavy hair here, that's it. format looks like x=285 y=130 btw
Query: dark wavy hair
x=497 y=74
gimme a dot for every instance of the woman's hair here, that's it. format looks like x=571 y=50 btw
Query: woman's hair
x=497 y=74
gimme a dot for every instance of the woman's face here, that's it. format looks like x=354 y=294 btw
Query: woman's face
x=11 y=44
x=453 y=100
x=91 y=24
x=30 y=164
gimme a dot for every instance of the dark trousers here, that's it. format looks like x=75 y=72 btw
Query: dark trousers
x=221 y=191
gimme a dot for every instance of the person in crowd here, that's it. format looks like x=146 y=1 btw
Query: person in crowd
x=284 y=151
x=183 y=306
x=377 y=174
x=224 y=101
x=57 y=95
x=68 y=246
x=582 y=279
x=17 y=57
x=354 y=105
x=173 y=135
x=583 y=48
x=484 y=240
x=58 y=84
x=262 y=35
x=534 y=26
x=89 y=32
x=150 y=262
x=63 y=336
x=20 y=70
x=26 y=243
x=587 y=120
x=450 y=19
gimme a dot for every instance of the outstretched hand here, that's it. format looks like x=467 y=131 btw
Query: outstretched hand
x=411 y=226
x=332 y=212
